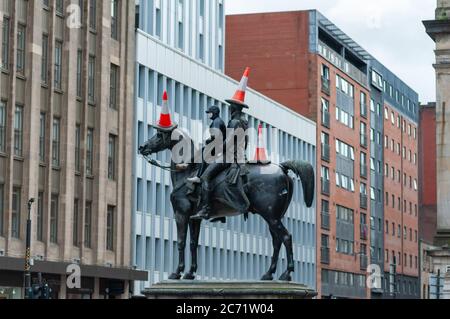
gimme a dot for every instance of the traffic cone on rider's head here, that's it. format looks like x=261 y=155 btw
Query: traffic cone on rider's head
x=165 y=121
x=261 y=154
x=239 y=96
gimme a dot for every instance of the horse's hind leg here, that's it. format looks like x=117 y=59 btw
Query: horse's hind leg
x=287 y=241
x=276 y=242
x=194 y=228
x=182 y=227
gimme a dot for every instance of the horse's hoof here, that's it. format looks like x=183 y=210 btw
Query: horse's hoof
x=267 y=277
x=285 y=277
x=189 y=276
x=174 y=276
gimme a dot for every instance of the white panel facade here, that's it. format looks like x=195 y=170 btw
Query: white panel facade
x=237 y=249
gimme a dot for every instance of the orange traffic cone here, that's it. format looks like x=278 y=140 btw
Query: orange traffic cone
x=261 y=154
x=165 y=121
x=239 y=96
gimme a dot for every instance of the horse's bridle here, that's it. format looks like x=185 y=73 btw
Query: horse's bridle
x=157 y=164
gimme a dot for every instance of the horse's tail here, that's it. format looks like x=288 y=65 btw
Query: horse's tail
x=305 y=171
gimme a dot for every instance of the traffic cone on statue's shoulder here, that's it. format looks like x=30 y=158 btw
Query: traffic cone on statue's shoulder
x=261 y=154
x=239 y=96
x=165 y=120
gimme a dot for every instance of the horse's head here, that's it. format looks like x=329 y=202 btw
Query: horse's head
x=161 y=141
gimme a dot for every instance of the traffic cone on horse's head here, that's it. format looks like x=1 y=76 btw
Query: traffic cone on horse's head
x=239 y=96
x=165 y=121
x=261 y=154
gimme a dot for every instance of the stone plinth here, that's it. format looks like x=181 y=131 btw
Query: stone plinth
x=228 y=290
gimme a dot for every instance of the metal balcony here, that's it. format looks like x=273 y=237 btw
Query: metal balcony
x=363 y=201
x=325 y=186
x=363 y=261
x=363 y=110
x=363 y=140
x=326 y=119
x=363 y=232
x=363 y=171
x=326 y=86
x=325 y=255
x=326 y=152
x=325 y=218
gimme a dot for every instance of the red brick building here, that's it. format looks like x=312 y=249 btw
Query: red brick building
x=277 y=48
x=427 y=173
x=307 y=63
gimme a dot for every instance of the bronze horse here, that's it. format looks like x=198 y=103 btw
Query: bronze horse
x=269 y=189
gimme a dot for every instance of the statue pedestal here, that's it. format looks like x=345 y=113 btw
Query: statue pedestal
x=228 y=290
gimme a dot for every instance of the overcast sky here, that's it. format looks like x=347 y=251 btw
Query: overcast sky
x=390 y=30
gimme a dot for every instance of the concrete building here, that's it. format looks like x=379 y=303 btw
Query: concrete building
x=439 y=255
x=304 y=61
x=65 y=132
x=191 y=72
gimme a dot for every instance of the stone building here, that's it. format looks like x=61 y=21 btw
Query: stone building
x=439 y=256
x=66 y=122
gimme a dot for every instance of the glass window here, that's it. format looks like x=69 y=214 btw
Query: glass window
x=91 y=79
x=54 y=219
x=75 y=223
x=16 y=211
x=44 y=66
x=89 y=151
x=18 y=130
x=115 y=19
x=5 y=44
x=58 y=64
x=20 y=63
x=42 y=138
x=113 y=92
x=88 y=225
x=110 y=228
x=93 y=14
x=79 y=72
x=77 y=148
x=111 y=156
x=2 y=126
x=55 y=141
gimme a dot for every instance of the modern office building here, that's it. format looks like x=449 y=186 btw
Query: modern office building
x=304 y=61
x=65 y=140
x=179 y=48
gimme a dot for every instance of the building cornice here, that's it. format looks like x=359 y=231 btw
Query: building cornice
x=437 y=27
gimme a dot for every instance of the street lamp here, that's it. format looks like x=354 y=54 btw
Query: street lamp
x=28 y=290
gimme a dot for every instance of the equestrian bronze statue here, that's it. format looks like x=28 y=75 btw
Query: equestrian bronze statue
x=232 y=189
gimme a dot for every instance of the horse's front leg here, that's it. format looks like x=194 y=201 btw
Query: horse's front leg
x=182 y=227
x=194 y=227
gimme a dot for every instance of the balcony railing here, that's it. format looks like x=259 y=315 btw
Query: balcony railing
x=363 y=170
x=363 y=261
x=326 y=86
x=363 y=201
x=326 y=119
x=326 y=152
x=325 y=186
x=363 y=140
x=363 y=231
x=363 y=109
x=343 y=64
x=325 y=217
x=325 y=255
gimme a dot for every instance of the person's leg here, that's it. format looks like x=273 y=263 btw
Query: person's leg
x=210 y=173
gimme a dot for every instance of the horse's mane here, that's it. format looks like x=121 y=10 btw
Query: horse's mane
x=194 y=150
